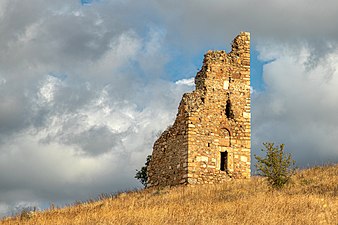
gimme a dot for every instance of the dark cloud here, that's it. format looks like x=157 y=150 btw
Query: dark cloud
x=265 y=19
x=11 y=118
x=94 y=141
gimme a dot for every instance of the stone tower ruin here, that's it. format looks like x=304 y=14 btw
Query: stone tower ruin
x=209 y=141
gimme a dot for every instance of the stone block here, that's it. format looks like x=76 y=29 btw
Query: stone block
x=244 y=158
x=246 y=115
x=192 y=180
x=201 y=159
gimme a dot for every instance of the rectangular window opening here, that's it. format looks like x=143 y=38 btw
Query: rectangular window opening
x=224 y=161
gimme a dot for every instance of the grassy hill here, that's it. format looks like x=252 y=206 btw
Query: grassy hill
x=312 y=198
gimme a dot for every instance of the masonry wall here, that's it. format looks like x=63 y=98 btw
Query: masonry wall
x=214 y=118
x=169 y=163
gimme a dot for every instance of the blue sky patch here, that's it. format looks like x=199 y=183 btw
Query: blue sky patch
x=86 y=2
x=256 y=69
x=60 y=76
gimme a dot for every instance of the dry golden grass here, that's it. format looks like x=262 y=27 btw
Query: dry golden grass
x=312 y=198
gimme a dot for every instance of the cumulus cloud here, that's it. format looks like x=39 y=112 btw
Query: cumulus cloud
x=81 y=98
x=299 y=106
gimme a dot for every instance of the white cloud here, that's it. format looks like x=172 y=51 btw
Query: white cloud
x=188 y=82
x=299 y=106
x=70 y=123
x=48 y=89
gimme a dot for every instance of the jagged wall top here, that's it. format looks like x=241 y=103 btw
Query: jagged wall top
x=239 y=55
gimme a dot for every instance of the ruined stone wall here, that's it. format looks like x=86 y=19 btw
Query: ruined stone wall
x=210 y=139
x=169 y=163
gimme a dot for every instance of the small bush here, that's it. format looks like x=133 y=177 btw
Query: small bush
x=277 y=166
x=27 y=212
x=142 y=174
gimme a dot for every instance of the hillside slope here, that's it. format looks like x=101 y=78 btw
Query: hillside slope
x=312 y=198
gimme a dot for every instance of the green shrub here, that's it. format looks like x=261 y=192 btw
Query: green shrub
x=142 y=174
x=27 y=213
x=277 y=166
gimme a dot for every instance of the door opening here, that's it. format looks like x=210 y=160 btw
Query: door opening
x=224 y=161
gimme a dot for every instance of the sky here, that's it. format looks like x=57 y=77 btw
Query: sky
x=87 y=86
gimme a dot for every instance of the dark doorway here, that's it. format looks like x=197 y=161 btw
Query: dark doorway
x=224 y=161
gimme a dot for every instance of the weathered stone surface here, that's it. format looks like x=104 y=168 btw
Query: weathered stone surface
x=209 y=141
